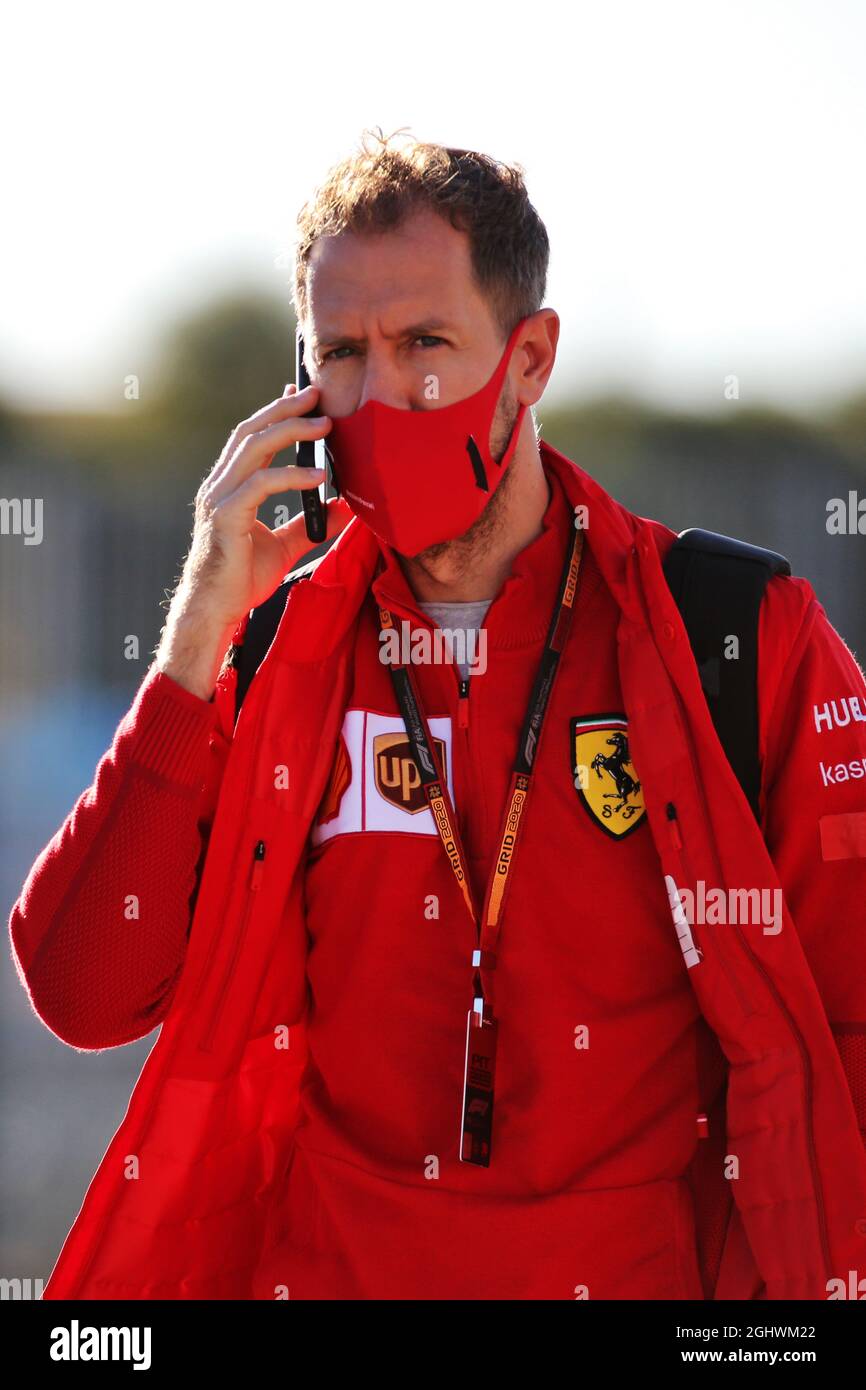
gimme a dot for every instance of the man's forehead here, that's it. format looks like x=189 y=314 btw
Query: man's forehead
x=390 y=306
x=419 y=271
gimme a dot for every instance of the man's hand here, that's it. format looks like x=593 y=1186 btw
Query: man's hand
x=235 y=561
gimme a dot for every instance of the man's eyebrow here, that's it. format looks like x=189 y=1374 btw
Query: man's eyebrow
x=329 y=338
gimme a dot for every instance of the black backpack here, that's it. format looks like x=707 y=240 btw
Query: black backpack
x=718 y=583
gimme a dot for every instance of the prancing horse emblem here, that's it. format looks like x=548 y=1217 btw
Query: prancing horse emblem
x=604 y=775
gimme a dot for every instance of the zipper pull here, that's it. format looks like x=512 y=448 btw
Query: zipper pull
x=258 y=864
x=463 y=705
x=673 y=826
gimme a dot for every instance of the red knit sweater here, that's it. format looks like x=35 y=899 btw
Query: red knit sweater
x=99 y=931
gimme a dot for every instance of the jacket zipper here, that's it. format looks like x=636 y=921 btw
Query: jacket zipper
x=463 y=705
x=780 y=1004
x=248 y=781
x=463 y=726
x=255 y=878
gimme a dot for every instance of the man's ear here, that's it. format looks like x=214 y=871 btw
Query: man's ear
x=540 y=343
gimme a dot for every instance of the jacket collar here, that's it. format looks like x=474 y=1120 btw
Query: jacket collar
x=621 y=543
x=519 y=614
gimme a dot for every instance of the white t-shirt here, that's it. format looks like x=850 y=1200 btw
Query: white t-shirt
x=460 y=617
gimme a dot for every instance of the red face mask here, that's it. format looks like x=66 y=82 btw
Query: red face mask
x=417 y=477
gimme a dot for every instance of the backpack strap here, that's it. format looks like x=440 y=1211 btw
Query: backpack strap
x=248 y=655
x=718 y=583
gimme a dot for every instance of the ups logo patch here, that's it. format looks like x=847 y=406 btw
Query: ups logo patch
x=396 y=772
x=373 y=783
x=605 y=777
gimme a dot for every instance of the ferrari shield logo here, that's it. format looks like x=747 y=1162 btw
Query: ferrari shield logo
x=604 y=774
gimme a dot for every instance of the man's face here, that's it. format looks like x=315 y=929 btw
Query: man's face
x=390 y=311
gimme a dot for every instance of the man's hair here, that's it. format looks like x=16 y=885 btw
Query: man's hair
x=378 y=186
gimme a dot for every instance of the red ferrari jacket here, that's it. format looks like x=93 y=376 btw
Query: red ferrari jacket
x=189 y=1200
x=599 y=1027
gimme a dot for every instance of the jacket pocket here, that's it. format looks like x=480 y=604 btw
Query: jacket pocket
x=687 y=878
x=254 y=879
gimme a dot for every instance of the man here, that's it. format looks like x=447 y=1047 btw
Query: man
x=440 y=1026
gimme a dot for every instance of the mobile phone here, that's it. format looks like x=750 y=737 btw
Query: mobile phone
x=305 y=450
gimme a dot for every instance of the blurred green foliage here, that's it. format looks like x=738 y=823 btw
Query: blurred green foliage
x=234 y=354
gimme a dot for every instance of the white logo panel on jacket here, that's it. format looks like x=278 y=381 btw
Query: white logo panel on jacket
x=375 y=784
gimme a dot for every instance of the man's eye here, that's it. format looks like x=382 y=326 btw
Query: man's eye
x=428 y=337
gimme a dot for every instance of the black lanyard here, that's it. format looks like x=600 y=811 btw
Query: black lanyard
x=476 y=1123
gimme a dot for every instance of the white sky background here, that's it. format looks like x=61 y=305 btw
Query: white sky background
x=699 y=167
